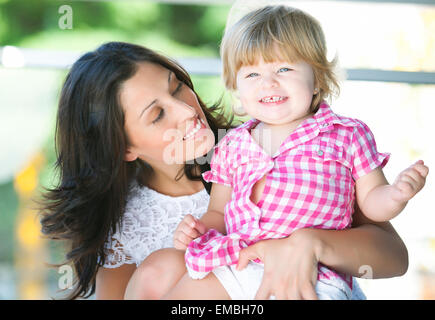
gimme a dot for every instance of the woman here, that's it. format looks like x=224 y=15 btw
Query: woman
x=131 y=139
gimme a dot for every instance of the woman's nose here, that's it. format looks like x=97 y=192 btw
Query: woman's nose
x=184 y=111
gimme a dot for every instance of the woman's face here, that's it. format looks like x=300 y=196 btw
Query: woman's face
x=164 y=121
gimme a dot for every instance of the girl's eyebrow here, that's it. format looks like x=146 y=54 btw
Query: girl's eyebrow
x=155 y=100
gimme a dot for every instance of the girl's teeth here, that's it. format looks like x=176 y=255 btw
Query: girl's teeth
x=273 y=99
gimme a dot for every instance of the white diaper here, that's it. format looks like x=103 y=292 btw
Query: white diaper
x=244 y=284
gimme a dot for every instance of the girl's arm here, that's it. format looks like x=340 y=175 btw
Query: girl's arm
x=380 y=201
x=111 y=283
x=290 y=264
x=220 y=195
x=190 y=228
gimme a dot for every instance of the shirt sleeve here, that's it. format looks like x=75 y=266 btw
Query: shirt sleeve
x=115 y=254
x=364 y=152
x=220 y=170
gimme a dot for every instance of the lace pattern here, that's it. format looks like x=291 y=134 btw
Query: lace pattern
x=148 y=224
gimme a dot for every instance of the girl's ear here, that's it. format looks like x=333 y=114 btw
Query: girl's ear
x=129 y=155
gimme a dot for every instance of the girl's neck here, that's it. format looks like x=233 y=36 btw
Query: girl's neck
x=287 y=127
x=271 y=136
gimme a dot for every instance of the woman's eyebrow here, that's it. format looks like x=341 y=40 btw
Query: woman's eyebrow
x=155 y=100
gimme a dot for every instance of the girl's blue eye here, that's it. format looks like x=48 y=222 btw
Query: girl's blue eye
x=251 y=75
x=284 y=69
x=160 y=116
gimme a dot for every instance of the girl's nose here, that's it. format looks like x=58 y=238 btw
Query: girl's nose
x=270 y=81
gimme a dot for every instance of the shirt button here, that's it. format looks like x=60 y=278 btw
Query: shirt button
x=320 y=153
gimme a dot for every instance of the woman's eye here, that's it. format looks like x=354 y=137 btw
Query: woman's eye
x=159 y=116
x=285 y=69
x=178 y=88
x=251 y=75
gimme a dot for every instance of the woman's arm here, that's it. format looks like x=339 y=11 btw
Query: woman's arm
x=368 y=243
x=290 y=264
x=111 y=283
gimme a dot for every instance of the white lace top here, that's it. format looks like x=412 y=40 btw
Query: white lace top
x=148 y=224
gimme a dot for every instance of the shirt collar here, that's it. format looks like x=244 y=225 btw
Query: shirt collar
x=322 y=121
x=325 y=118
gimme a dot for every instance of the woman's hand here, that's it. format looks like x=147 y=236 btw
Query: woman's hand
x=290 y=265
x=187 y=230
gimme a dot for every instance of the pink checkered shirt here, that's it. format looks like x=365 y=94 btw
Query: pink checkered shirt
x=310 y=184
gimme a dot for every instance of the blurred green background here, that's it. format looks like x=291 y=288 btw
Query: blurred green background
x=174 y=30
x=398 y=37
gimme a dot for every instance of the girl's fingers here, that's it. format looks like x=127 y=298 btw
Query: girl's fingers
x=200 y=227
x=191 y=223
x=415 y=176
x=408 y=180
x=422 y=169
x=189 y=220
x=179 y=245
x=182 y=237
x=189 y=231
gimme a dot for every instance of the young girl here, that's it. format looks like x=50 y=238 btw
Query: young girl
x=295 y=165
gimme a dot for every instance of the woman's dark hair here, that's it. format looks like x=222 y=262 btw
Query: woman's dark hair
x=88 y=203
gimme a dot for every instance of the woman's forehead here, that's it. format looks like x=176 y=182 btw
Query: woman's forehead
x=148 y=80
x=153 y=70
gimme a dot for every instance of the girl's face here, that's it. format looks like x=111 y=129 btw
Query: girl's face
x=164 y=121
x=276 y=93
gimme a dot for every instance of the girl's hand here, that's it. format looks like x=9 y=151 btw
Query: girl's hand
x=409 y=182
x=188 y=229
x=290 y=265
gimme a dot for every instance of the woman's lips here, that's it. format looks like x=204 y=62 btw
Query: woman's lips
x=197 y=126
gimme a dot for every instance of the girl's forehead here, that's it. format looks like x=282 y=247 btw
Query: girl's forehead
x=272 y=54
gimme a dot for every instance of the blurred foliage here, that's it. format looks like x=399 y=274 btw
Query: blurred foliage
x=190 y=25
x=8 y=206
x=174 y=30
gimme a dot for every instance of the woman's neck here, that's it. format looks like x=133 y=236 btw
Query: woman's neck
x=163 y=181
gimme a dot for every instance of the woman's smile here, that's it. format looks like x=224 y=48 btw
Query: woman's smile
x=197 y=125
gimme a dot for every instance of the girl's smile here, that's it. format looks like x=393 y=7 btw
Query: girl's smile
x=273 y=100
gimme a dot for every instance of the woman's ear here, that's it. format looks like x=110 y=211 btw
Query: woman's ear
x=129 y=155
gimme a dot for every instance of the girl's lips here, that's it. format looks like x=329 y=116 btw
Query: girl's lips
x=273 y=100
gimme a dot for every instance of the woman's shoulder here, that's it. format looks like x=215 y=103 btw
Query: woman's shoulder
x=149 y=220
x=147 y=210
x=141 y=198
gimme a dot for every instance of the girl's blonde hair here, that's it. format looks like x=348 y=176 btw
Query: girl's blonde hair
x=296 y=35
